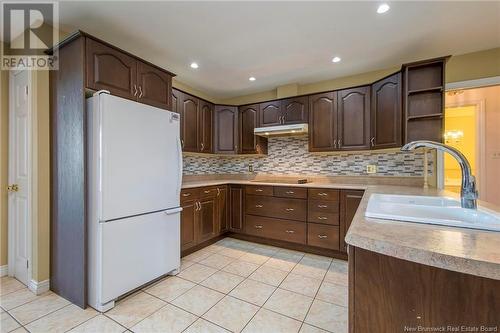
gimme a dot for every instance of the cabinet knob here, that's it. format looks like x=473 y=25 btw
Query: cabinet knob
x=335 y=143
x=322 y=206
x=182 y=143
x=289 y=192
x=186 y=194
x=259 y=190
x=289 y=209
x=372 y=141
x=202 y=146
x=218 y=191
x=206 y=191
x=135 y=90
x=322 y=194
x=340 y=143
x=290 y=231
x=140 y=91
x=258 y=226
x=322 y=218
x=322 y=236
x=259 y=206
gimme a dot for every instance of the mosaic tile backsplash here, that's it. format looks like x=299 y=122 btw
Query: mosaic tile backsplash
x=290 y=156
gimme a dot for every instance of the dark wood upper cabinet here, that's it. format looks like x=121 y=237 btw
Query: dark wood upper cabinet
x=322 y=122
x=189 y=123
x=295 y=110
x=270 y=114
x=353 y=125
x=109 y=69
x=226 y=129
x=249 y=120
x=176 y=100
x=207 y=218
x=206 y=126
x=386 y=113
x=154 y=86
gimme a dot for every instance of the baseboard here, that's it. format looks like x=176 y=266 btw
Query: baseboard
x=39 y=287
x=4 y=270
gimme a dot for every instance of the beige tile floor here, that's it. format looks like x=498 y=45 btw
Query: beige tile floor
x=230 y=286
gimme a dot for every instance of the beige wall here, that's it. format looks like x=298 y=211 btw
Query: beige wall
x=474 y=65
x=491 y=98
x=4 y=146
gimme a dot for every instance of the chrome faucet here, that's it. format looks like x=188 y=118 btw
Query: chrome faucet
x=468 y=192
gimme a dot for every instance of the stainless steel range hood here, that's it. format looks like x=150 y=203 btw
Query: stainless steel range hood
x=282 y=130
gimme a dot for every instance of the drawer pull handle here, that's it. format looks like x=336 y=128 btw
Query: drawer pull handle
x=322 y=236
x=322 y=206
x=207 y=191
x=322 y=218
x=259 y=206
x=186 y=194
x=289 y=209
x=258 y=226
x=289 y=192
x=290 y=231
x=322 y=194
x=259 y=190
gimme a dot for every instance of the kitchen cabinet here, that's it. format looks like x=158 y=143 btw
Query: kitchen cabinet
x=154 y=86
x=349 y=203
x=274 y=228
x=323 y=122
x=236 y=196
x=108 y=68
x=249 y=143
x=270 y=114
x=295 y=110
x=226 y=129
x=207 y=218
x=175 y=100
x=189 y=234
x=189 y=111
x=353 y=126
x=205 y=126
x=222 y=210
x=386 y=113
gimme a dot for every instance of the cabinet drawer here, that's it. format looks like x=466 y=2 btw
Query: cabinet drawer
x=325 y=236
x=290 y=192
x=291 y=209
x=323 y=194
x=209 y=191
x=323 y=206
x=190 y=194
x=259 y=190
x=323 y=218
x=285 y=230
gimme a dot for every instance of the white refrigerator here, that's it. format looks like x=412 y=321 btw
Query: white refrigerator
x=134 y=177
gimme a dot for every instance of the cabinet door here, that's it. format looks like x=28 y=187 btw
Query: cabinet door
x=249 y=120
x=205 y=127
x=349 y=202
x=176 y=100
x=236 y=208
x=295 y=110
x=270 y=114
x=386 y=113
x=323 y=122
x=207 y=219
x=226 y=129
x=189 y=228
x=189 y=123
x=154 y=86
x=222 y=209
x=353 y=118
x=109 y=69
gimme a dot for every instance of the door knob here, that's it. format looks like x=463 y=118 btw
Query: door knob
x=13 y=188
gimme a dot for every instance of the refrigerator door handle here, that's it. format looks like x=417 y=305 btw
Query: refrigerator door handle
x=179 y=181
x=173 y=211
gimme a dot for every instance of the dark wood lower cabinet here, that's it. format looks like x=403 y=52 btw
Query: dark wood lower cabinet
x=388 y=294
x=188 y=224
x=236 y=195
x=222 y=210
x=349 y=203
x=207 y=218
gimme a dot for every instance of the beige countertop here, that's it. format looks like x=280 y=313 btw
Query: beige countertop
x=463 y=250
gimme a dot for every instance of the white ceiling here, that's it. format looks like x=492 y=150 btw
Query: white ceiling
x=283 y=42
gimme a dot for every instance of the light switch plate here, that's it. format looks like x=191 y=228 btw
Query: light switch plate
x=371 y=168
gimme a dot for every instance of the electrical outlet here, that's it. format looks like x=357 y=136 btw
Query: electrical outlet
x=250 y=167
x=371 y=168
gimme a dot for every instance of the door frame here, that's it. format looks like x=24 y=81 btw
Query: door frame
x=32 y=175
x=480 y=143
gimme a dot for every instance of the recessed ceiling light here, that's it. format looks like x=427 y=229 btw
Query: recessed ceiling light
x=336 y=59
x=251 y=78
x=383 y=8
x=194 y=65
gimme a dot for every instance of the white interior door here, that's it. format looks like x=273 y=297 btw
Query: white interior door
x=19 y=175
